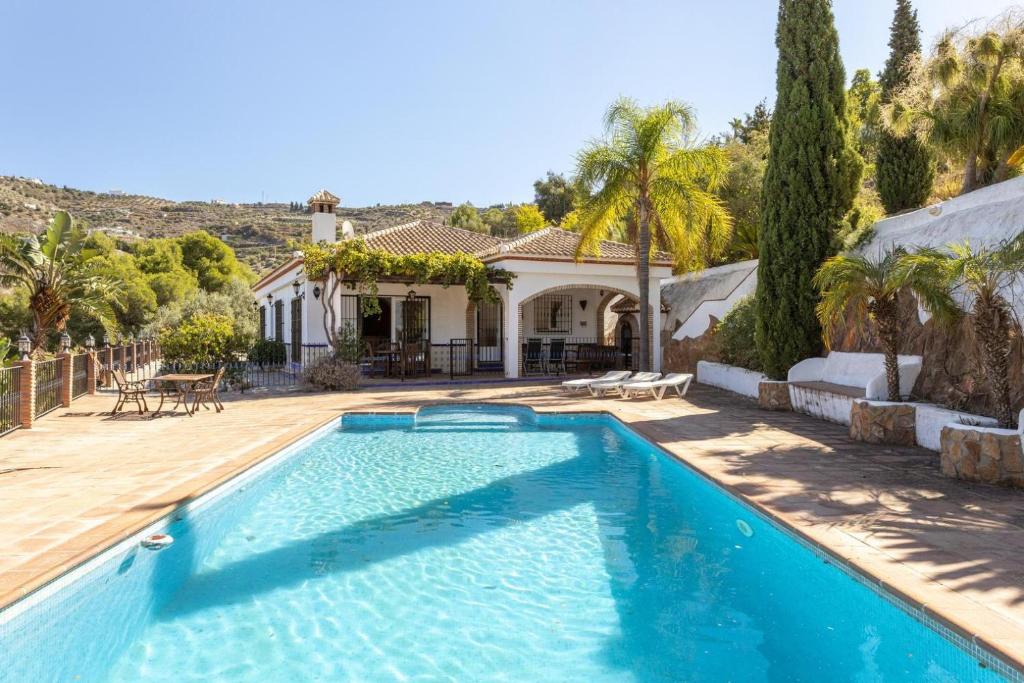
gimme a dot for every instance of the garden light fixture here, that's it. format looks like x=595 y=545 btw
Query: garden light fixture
x=24 y=346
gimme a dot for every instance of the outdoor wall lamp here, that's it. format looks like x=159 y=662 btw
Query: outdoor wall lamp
x=583 y=304
x=316 y=291
x=90 y=342
x=65 y=341
x=24 y=345
x=106 y=340
x=295 y=287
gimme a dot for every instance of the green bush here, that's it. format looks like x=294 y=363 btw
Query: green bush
x=348 y=345
x=735 y=334
x=268 y=352
x=202 y=339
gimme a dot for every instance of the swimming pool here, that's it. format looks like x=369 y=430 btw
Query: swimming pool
x=471 y=543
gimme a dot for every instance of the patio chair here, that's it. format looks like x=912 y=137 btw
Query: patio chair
x=376 y=358
x=680 y=381
x=129 y=390
x=556 y=357
x=209 y=391
x=599 y=389
x=534 y=357
x=574 y=385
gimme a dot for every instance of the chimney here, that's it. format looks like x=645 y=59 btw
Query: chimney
x=325 y=221
x=347 y=231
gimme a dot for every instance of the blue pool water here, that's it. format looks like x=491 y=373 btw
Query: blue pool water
x=474 y=544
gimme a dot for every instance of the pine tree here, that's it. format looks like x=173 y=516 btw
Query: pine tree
x=904 y=168
x=812 y=177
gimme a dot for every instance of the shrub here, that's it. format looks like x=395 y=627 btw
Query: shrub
x=331 y=374
x=348 y=346
x=268 y=352
x=735 y=334
x=202 y=339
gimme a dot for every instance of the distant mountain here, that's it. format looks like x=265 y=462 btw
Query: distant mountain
x=257 y=232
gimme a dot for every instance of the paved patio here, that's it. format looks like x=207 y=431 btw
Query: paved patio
x=80 y=481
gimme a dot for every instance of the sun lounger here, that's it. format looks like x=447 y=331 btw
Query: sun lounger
x=575 y=385
x=601 y=388
x=680 y=381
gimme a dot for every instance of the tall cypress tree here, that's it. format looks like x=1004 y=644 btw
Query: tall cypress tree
x=810 y=182
x=904 y=168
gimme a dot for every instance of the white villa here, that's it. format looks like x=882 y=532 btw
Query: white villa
x=552 y=297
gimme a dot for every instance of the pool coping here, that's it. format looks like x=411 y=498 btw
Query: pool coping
x=854 y=562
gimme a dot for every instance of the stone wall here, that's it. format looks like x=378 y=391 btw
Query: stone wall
x=992 y=456
x=883 y=422
x=681 y=355
x=952 y=375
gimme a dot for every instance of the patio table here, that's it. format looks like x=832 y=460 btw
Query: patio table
x=182 y=384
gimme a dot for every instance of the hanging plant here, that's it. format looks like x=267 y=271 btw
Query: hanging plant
x=353 y=264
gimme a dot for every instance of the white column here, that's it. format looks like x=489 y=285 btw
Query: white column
x=655 y=298
x=512 y=350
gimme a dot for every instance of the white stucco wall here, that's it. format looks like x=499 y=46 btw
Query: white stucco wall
x=827 y=406
x=929 y=421
x=536 y=276
x=729 y=377
x=985 y=217
x=584 y=321
x=694 y=298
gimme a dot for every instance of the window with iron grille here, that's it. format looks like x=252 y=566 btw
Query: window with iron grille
x=279 y=320
x=552 y=313
x=263 y=322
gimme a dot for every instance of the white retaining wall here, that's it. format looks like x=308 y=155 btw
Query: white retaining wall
x=729 y=377
x=931 y=419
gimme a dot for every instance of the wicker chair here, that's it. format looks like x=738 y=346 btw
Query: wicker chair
x=129 y=390
x=209 y=391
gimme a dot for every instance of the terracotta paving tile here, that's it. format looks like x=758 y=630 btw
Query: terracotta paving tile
x=953 y=547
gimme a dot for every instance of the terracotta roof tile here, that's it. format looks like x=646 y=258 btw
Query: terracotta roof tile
x=424 y=236
x=555 y=243
x=324 y=196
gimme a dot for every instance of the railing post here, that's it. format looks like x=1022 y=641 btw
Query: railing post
x=108 y=364
x=90 y=372
x=67 y=370
x=27 y=393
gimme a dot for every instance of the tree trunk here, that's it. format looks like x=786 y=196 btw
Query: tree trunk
x=970 y=173
x=643 y=276
x=886 y=314
x=992 y=329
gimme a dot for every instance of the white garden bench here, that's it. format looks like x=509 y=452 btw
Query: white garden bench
x=827 y=387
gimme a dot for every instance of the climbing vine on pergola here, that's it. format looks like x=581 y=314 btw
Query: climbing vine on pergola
x=356 y=266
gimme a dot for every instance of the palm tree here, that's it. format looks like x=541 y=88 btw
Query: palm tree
x=968 y=99
x=55 y=269
x=647 y=175
x=982 y=276
x=871 y=287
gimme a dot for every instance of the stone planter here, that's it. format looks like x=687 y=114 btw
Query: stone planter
x=883 y=422
x=773 y=395
x=984 y=454
x=931 y=419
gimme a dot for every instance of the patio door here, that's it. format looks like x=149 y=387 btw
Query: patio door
x=489 y=337
x=297 y=330
x=414 y=333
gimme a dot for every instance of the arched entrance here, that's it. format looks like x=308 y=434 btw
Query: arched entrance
x=574 y=316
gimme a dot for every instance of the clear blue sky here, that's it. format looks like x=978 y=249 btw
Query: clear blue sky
x=377 y=101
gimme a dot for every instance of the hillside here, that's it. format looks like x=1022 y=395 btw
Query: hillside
x=257 y=232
